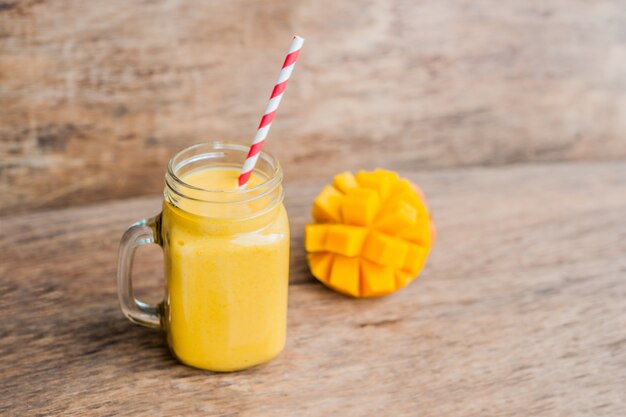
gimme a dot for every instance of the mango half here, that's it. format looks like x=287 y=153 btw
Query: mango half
x=371 y=235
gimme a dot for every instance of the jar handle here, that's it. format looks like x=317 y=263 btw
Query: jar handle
x=141 y=233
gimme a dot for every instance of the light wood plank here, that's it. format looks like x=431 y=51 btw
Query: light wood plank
x=521 y=311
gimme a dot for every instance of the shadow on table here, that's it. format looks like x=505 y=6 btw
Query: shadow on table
x=107 y=338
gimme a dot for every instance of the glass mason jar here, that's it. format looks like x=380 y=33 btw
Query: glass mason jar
x=226 y=263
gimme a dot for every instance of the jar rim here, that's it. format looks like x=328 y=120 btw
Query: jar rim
x=179 y=160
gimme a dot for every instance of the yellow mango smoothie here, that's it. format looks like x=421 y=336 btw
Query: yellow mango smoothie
x=227 y=264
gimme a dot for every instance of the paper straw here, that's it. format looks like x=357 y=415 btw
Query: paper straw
x=270 y=111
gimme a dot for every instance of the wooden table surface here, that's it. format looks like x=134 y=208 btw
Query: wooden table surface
x=521 y=310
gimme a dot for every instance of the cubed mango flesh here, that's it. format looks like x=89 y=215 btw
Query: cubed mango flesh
x=327 y=205
x=345 y=240
x=315 y=237
x=344 y=275
x=371 y=235
x=420 y=234
x=385 y=250
x=344 y=181
x=402 y=279
x=401 y=215
x=379 y=181
x=360 y=206
x=320 y=264
x=376 y=280
x=414 y=259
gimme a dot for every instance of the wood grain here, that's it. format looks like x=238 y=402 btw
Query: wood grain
x=96 y=96
x=521 y=311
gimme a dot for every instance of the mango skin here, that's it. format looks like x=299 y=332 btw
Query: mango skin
x=372 y=233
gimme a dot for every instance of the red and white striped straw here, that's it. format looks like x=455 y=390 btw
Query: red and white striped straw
x=270 y=111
